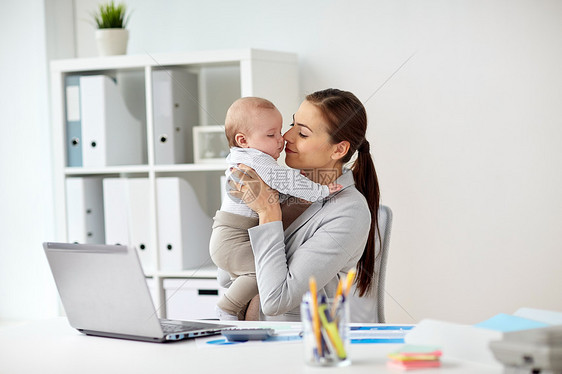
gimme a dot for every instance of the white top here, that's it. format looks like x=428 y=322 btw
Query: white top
x=281 y=178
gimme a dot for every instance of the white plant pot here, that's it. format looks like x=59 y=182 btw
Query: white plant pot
x=112 y=41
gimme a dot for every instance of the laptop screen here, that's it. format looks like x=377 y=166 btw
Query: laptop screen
x=103 y=288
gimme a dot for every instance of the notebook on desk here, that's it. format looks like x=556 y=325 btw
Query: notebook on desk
x=104 y=293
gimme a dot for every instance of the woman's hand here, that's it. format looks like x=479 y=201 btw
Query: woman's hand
x=257 y=195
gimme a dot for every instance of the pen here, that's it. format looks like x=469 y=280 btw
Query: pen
x=308 y=301
x=314 y=312
x=327 y=345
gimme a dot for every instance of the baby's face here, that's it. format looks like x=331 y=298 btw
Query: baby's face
x=265 y=133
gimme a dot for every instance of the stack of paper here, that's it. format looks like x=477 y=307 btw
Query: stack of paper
x=384 y=334
x=471 y=342
x=415 y=357
x=505 y=323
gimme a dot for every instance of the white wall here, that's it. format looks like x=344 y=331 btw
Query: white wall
x=26 y=211
x=466 y=136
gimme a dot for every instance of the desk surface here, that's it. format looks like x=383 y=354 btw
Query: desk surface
x=52 y=346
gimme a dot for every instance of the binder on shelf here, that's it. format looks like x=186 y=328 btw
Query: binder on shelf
x=139 y=221
x=110 y=134
x=73 y=121
x=116 y=211
x=175 y=93
x=127 y=216
x=184 y=229
x=84 y=210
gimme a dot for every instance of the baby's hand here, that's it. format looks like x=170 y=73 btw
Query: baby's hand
x=334 y=187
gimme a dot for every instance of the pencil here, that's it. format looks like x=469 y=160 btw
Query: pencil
x=314 y=312
x=349 y=282
x=339 y=289
x=337 y=297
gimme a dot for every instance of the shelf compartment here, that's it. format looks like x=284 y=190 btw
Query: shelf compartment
x=106 y=170
x=178 y=168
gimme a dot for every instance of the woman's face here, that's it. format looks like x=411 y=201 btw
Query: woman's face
x=308 y=143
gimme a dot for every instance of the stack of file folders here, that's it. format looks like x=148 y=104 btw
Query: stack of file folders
x=410 y=357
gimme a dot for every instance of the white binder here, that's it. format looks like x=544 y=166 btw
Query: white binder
x=116 y=209
x=73 y=121
x=139 y=222
x=110 y=134
x=127 y=216
x=175 y=113
x=184 y=229
x=84 y=210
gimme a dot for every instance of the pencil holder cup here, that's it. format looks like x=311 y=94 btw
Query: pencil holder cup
x=325 y=332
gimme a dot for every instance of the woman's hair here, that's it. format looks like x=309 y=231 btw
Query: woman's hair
x=347 y=121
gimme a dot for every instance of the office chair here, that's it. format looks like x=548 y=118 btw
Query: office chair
x=370 y=309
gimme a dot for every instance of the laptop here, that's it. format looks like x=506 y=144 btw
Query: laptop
x=104 y=293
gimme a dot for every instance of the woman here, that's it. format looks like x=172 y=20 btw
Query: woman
x=296 y=240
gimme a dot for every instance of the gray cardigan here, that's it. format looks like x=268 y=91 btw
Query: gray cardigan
x=325 y=241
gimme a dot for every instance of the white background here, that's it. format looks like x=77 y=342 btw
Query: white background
x=466 y=136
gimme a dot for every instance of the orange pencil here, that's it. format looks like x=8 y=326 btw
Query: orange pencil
x=315 y=316
x=337 y=297
x=349 y=282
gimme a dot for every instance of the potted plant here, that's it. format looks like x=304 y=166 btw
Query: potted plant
x=111 y=35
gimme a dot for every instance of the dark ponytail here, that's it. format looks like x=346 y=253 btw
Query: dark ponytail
x=367 y=183
x=347 y=119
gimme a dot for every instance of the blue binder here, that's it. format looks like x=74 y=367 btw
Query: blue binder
x=73 y=121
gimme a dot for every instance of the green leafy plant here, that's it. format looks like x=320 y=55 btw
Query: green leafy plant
x=111 y=16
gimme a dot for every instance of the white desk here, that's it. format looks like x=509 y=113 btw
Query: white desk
x=52 y=346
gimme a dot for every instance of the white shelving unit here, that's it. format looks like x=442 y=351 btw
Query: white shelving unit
x=223 y=76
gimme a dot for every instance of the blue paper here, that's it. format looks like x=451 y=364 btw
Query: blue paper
x=222 y=342
x=377 y=341
x=380 y=328
x=275 y=338
x=505 y=323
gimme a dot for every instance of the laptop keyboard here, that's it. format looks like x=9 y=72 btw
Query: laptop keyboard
x=169 y=328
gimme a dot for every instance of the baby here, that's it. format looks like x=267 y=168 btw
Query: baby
x=253 y=129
